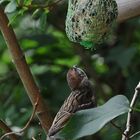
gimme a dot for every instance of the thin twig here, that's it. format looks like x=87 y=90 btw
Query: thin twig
x=118 y=127
x=134 y=134
x=128 y=124
x=7 y=130
x=33 y=138
x=136 y=109
x=27 y=124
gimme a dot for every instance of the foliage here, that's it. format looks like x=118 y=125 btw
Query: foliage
x=92 y=120
x=114 y=67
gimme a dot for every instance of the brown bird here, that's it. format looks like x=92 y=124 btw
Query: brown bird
x=81 y=97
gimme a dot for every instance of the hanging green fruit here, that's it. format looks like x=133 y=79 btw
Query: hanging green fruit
x=89 y=21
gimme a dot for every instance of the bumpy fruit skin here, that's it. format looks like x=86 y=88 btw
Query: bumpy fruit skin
x=81 y=97
x=89 y=21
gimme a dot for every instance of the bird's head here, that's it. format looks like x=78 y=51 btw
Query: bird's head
x=75 y=76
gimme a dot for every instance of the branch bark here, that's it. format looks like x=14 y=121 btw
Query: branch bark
x=128 y=124
x=24 y=71
x=128 y=9
x=7 y=130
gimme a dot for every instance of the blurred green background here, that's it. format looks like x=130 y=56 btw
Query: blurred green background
x=114 y=67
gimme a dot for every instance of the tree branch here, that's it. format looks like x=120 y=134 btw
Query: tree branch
x=24 y=71
x=27 y=124
x=128 y=124
x=7 y=130
x=118 y=127
x=135 y=134
x=128 y=9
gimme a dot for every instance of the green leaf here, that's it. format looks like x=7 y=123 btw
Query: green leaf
x=3 y=68
x=6 y=57
x=1 y=1
x=27 y=2
x=11 y=7
x=43 y=22
x=13 y=18
x=39 y=69
x=36 y=13
x=87 y=122
x=87 y=44
x=67 y=62
x=136 y=109
x=47 y=10
x=20 y=12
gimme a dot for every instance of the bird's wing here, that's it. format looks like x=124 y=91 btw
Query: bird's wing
x=59 y=122
x=86 y=99
x=65 y=112
x=77 y=100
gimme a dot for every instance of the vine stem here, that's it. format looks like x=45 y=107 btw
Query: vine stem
x=26 y=126
x=24 y=72
x=135 y=134
x=129 y=116
x=7 y=130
